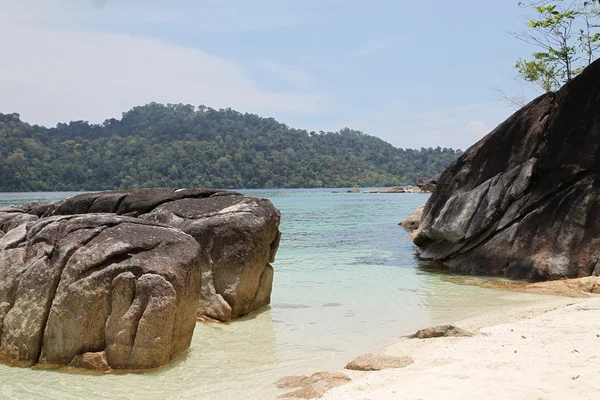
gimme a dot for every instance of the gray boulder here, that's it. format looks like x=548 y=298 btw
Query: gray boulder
x=239 y=237
x=524 y=201
x=117 y=279
x=98 y=283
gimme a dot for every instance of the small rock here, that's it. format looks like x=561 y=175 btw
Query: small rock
x=424 y=182
x=413 y=221
x=313 y=386
x=353 y=191
x=377 y=362
x=440 y=331
x=93 y=361
x=371 y=191
x=396 y=189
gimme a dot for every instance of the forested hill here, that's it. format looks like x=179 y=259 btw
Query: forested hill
x=179 y=145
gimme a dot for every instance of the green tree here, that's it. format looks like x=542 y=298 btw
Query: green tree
x=178 y=145
x=565 y=34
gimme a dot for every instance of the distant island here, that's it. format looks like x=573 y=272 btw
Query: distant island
x=179 y=145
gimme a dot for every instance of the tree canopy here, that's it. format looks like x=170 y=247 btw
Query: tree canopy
x=566 y=34
x=179 y=145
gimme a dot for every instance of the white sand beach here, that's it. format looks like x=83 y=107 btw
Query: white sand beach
x=547 y=350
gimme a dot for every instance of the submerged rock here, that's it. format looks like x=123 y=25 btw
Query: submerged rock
x=440 y=331
x=313 y=386
x=377 y=362
x=524 y=201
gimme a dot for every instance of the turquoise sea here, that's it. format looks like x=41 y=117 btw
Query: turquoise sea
x=346 y=283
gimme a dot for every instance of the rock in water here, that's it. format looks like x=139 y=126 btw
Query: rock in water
x=239 y=237
x=117 y=279
x=524 y=201
x=395 y=189
x=90 y=283
x=313 y=386
x=413 y=221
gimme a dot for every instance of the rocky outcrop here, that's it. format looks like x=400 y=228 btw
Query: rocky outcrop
x=239 y=237
x=524 y=201
x=97 y=283
x=377 y=362
x=122 y=276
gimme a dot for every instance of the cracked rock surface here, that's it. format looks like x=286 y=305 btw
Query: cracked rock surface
x=61 y=294
x=117 y=279
x=524 y=201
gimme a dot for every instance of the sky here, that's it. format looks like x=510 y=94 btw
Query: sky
x=414 y=73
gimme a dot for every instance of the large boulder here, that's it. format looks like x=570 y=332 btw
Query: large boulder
x=99 y=283
x=117 y=279
x=524 y=201
x=239 y=237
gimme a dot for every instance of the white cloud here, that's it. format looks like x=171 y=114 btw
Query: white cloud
x=50 y=75
x=293 y=75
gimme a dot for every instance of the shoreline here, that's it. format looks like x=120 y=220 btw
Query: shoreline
x=543 y=350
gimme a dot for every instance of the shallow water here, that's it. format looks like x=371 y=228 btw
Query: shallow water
x=346 y=282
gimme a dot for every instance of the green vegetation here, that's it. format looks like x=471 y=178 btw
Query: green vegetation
x=177 y=145
x=566 y=34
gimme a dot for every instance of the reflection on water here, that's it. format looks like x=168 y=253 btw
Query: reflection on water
x=346 y=283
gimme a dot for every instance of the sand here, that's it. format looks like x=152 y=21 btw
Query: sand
x=547 y=350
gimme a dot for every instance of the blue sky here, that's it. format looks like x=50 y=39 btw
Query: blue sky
x=416 y=74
